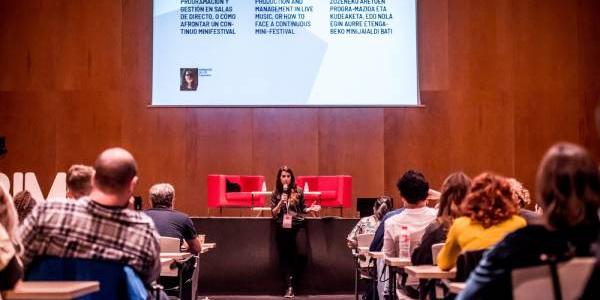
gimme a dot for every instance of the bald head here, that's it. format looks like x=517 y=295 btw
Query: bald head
x=115 y=169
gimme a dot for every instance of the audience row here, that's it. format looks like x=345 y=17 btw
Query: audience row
x=486 y=217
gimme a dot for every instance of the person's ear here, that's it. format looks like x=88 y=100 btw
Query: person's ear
x=132 y=184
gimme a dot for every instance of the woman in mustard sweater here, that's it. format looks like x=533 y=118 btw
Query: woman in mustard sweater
x=489 y=213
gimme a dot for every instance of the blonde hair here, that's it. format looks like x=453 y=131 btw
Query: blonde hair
x=8 y=215
x=520 y=193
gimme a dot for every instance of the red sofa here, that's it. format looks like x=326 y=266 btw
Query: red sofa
x=219 y=197
x=336 y=191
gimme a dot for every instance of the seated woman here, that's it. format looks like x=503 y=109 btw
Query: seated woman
x=489 y=213
x=11 y=269
x=521 y=195
x=454 y=190
x=568 y=189
x=369 y=224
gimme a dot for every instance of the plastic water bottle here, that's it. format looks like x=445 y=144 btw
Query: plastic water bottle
x=264 y=187
x=306 y=187
x=404 y=243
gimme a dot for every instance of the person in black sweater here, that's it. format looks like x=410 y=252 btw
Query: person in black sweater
x=568 y=190
x=454 y=191
x=287 y=208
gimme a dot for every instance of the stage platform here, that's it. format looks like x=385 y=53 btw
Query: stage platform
x=246 y=261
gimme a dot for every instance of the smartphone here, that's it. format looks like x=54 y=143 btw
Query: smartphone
x=137 y=202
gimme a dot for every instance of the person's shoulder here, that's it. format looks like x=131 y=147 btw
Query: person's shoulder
x=461 y=222
x=431 y=211
x=519 y=221
x=392 y=213
x=56 y=205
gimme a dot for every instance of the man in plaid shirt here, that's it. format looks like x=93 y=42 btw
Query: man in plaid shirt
x=98 y=226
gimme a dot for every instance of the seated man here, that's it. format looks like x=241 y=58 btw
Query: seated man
x=416 y=216
x=98 y=226
x=79 y=181
x=169 y=222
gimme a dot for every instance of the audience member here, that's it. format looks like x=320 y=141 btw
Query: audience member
x=79 y=181
x=369 y=224
x=521 y=196
x=568 y=189
x=98 y=226
x=490 y=213
x=24 y=203
x=10 y=268
x=168 y=221
x=454 y=191
x=415 y=218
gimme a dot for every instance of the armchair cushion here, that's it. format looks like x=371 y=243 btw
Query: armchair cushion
x=220 y=196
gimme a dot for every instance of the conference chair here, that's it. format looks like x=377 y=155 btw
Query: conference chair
x=334 y=191
x=360 y=260
x=466 y=263
x=117 y=280
x=552 y=280
x=178 y=280
x=234 y=191
x=435 y=250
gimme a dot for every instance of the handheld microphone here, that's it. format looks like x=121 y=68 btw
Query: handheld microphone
x=284 y=196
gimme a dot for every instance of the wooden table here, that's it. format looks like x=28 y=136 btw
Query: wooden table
x=166 y=262
x=55 y=290
x=376 y=254
x=456 y=287
x=207 y=247
x=429 y=272
x=428 y=276
x=175 y=255
x=395 y=263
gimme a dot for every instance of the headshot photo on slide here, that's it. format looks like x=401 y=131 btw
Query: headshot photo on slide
x=189 y=79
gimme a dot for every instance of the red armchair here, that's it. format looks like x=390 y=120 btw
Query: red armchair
x=218 y=196
x=336 y=191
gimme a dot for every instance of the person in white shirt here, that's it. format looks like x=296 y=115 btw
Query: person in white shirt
x=416 y=216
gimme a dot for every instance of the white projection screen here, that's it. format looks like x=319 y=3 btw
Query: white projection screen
x=284 y=53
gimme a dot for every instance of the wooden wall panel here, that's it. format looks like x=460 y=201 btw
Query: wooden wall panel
x=351 y=143
x=500 y=82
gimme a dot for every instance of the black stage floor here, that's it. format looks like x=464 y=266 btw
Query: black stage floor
x=246 y=261
x=265 y=297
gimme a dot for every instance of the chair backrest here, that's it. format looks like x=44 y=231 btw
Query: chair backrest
x=536 y=282
x=117 y=281
x=169 y=244
x=467 y=262
x=364 y=239
x=435 y=250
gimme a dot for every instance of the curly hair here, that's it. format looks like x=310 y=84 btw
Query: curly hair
x=24 y=203
x=520 y=192
x=490 y=200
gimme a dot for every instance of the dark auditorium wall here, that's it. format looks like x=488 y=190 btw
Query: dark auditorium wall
x=500 y=82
